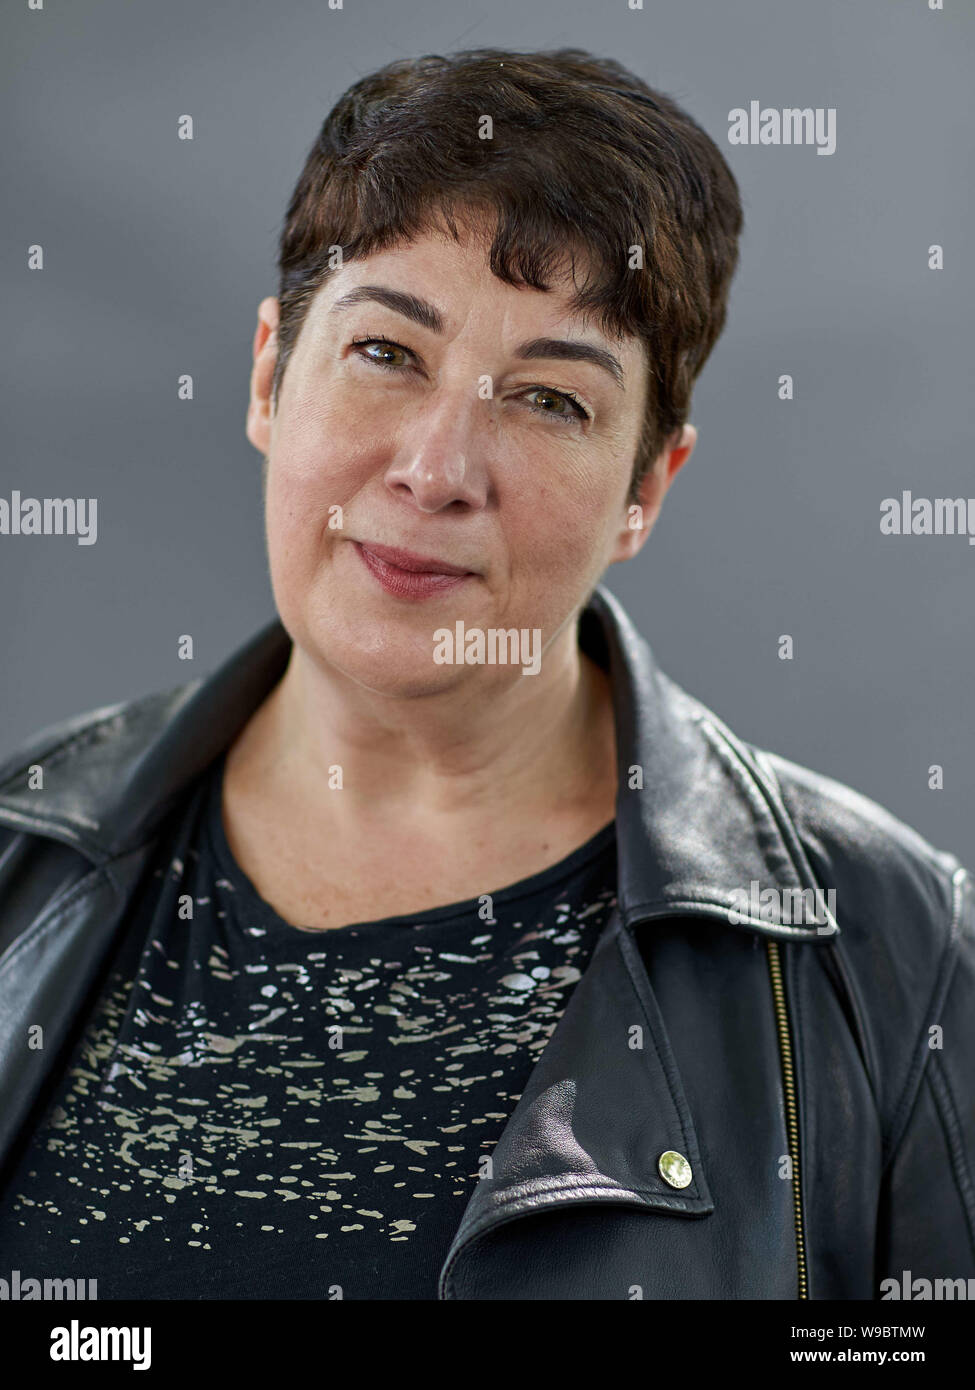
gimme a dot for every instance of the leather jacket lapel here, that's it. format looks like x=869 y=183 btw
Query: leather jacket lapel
x=602 y=1105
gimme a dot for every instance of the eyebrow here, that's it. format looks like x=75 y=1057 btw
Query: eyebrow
x=428 y=316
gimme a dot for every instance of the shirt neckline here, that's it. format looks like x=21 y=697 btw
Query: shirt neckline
x=596 y=846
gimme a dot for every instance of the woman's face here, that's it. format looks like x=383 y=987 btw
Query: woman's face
x=456 y=440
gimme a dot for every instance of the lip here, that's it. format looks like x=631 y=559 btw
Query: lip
x=413 y=564
x=409 y=576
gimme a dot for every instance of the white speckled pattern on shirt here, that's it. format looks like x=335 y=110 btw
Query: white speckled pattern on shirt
x=256 y=1110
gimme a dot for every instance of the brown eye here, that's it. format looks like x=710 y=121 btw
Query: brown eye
x=386 y=344
x=576 y=411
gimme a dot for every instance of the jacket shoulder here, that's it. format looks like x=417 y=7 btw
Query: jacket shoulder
x=891 y=876
x=43 y=850
x=124 y=726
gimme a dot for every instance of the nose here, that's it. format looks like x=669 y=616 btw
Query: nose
x=439 y=464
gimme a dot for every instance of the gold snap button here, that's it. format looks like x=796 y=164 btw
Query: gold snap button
x=674 y=1168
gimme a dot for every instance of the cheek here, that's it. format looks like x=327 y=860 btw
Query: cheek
x=293 y=532
x=561 y=530
x=319 y=461
x=309 y=445
x=300 y=498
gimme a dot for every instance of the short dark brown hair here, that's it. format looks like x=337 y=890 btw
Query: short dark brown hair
x=583 y=157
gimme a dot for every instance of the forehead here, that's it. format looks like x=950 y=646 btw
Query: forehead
x=443 y=283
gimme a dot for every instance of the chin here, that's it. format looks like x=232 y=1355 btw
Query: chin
x=395 y=679
x=371 y=652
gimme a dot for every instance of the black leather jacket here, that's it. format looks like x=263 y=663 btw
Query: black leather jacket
x=816 y=1078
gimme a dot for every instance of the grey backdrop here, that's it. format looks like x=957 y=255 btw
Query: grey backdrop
x=157 y=251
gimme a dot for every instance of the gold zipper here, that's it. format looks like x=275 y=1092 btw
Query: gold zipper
x=791 y=1107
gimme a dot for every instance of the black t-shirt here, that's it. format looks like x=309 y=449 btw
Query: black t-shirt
x=256 y=1110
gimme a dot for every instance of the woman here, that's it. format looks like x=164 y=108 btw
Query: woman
x=438 y=945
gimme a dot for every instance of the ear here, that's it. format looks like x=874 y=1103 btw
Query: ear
x=640 y=517
x=265 y=352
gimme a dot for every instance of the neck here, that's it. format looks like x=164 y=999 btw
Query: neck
x=545 y=745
